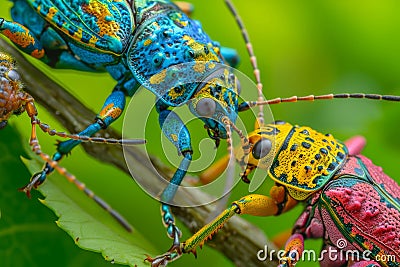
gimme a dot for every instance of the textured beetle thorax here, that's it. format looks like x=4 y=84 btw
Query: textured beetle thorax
x=203 y=52
x=169 y=50
x=307 y=159
x=302 y=159
x=222 y=89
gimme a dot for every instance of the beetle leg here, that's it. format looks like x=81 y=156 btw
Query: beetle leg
x=230 y=55
x=34 y=143
x=175 y=130
x=167 y=196
x=22 y=38
x=254 y=204
x=111 y=110
x=355 y=145
x=258 y=205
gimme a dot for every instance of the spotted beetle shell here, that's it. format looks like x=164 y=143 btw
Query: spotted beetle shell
x=303 y=160
x=307 y=160
x=104 y=25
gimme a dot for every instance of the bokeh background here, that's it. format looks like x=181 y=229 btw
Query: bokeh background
x=303 y=47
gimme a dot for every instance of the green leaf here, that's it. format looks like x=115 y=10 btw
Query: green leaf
x=28 y=234
x=91 y=227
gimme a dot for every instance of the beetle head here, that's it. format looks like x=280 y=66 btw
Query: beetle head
x=216 y=98
x=263 y=144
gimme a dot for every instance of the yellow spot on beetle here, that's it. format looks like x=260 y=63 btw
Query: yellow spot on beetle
x=22 y=39
x=177 y=18
x=52 y=12
x=174 y=137
x=110 y=111
x=159 y=77
x=174 y=93
x=199 y=50
x=38 y=53
x=199 y=67
x=102 y=13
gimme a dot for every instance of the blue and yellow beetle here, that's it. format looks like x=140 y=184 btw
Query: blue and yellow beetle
x=141 y=42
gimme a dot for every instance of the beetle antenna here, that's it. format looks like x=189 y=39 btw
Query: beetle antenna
x=229 y=174
x=253 y=60
x=243 y=139
x=128 y=142
x=32 y=113
x=246 y=105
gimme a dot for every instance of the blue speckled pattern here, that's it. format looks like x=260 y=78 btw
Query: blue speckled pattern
x=164 y=40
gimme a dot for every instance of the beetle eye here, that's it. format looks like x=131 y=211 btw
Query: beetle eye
x=206 y=107
x=261 y=148
x=3 y=124
x=13 y=75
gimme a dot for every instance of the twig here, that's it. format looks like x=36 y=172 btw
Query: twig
x=239 y=240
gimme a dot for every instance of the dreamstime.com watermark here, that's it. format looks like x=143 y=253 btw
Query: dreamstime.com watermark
x=339 y=254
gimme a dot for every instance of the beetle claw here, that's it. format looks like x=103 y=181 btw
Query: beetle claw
x=157 y=261
x=34 y=183
x=244 y=178
x=173 y=253
x=26 y=189
x=162 y=260
x=194 y=252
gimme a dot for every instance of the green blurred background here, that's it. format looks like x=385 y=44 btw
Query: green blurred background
x=303 y=47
